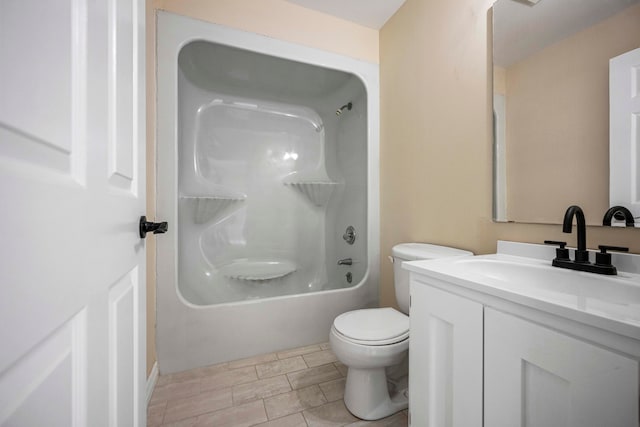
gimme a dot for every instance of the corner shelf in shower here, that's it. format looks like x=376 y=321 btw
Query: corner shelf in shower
x=208 y=208
x=318 y=192
x=257 y=270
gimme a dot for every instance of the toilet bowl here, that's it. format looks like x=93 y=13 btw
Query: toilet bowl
x=370 y=341
x=383 y=341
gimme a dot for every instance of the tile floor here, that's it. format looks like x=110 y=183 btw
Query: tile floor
x=299 y=387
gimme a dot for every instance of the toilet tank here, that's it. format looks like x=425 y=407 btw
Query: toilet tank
x=413 y=252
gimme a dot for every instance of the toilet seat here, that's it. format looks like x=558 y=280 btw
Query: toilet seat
x=373 y=326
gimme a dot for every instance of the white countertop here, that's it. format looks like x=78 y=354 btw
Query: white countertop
x=611 y=303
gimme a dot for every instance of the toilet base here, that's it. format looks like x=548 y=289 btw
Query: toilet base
x=366 y=394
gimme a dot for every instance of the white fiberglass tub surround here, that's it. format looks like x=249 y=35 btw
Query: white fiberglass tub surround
x=259 y=179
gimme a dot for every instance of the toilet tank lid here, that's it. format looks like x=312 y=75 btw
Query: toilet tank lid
x=416 y=251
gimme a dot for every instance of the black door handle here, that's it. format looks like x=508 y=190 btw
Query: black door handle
x=151 y=227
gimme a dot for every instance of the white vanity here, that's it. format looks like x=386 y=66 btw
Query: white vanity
x=507 y=340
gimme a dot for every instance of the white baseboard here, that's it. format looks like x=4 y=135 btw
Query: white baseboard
x=151 y=381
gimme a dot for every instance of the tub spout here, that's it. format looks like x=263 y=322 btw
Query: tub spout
x=346 y=261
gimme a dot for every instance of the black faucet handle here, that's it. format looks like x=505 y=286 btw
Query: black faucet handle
x=603 y=258
x=562 y=253
x=605 y=248
x=555 y=242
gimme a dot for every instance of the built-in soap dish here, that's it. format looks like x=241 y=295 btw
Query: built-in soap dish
x=257 y=270
x=318 y=192
x=209 y=208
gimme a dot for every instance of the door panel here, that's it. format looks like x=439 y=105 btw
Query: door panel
x=23 y=52
x=124 y=349
x=122 y=98
x=55 y=367
x=72 y=306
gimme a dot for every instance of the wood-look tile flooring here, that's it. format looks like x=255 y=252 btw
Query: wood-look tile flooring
x=299 y=387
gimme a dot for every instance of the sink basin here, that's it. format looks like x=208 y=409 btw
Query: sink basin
x=615 y=298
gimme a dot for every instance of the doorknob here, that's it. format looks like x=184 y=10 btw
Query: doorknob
x=151 y=227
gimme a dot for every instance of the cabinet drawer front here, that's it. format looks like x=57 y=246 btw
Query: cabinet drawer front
x=538 y=377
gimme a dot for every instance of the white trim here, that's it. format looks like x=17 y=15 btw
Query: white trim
x=499 y=158
x=151 y=381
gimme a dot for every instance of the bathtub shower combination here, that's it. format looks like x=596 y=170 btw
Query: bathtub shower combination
x=267 y=174
x=262 y=186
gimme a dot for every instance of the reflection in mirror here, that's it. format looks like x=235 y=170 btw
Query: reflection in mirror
x=551 y=104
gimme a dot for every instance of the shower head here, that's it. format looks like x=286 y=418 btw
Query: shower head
x=347 y=106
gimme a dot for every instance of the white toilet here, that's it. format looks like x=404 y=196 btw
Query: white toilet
x=370 y=341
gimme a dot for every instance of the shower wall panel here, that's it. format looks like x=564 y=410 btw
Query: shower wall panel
x=253 y=198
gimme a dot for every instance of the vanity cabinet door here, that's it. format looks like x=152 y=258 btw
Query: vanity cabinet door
x=537 y=377
x=445 y=359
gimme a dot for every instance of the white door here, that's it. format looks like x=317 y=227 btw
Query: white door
x=537 y=377
x=72 y=273
x=445 y=359
x=624 y=131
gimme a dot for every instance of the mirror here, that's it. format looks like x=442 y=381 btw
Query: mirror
x=551 y=104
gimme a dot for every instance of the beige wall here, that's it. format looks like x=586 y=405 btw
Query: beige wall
x=557 y=122
x=274 y=18
x=285 y=21
x=436 y=136
x=435 y=148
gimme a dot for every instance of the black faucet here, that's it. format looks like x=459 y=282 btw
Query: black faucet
x=581 y=259
x=582 y=255
x=618 y=212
